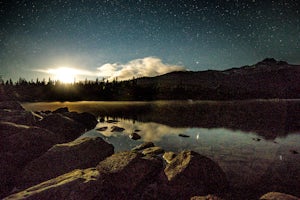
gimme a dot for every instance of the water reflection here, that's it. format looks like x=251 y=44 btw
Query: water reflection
x=269 y=118
x=252 y=141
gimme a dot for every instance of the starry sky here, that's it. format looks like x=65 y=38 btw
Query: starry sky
x=112 y=38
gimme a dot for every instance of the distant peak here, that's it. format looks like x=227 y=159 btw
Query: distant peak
x=272 y=61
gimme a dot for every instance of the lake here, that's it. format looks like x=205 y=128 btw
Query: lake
x=255 y=142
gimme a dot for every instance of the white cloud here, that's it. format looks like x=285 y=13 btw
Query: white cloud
x=149 y=66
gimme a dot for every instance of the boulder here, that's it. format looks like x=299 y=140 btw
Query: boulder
x=153 y=151
x=18 y=117
x=11 y=105
x=19 y=145
x=169 y=156
x=120 y=176
x=62 y=158
x=143 y=146
x=278 y=196
x=61 y=125
x=88 y=120
x=191 y=174
x=61 y=110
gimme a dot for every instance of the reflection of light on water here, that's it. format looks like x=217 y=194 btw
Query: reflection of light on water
x=197 y=137
x=280 y=157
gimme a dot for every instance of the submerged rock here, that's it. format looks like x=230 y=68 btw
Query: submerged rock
x=63 y=158
x=135 y=136
x=183 y=135
x=117 y=129
x=278 y=196
x=102 y=128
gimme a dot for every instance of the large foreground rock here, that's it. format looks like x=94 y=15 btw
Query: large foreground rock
x=120 y=176
x=20 y=144
x=63 y=158
x=191 y=174
x=278 y=196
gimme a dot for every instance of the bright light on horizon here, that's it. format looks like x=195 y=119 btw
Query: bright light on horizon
x=64 y=74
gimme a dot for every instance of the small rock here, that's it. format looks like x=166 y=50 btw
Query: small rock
x=256 y=139
x=61 y=110
x=135 y=136
x=294 y=152
x=104 y=128
x=169 y=156
x=117 y=129
x=278 y=196
x=183 y=135
x=143 y=146
x=112 y=121
x=153 y=150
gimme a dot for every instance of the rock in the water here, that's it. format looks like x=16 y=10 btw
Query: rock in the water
x=143 y=146
x=117 y=129
x=104 y=128
x=19 y=145
x=88 y=120
x=63 y=126
x=120 y=176
x=278 y=196
x=135 y=136
x=63 y=158
x=153 y=151
x=169 y=156
x=183 y=135
x=61 y=110
x=191 y=174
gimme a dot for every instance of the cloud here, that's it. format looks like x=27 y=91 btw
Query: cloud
x=149 y=66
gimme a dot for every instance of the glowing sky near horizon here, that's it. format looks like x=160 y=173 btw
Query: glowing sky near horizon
x=139 y=37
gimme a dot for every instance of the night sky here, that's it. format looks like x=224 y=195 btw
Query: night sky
x=111 y=38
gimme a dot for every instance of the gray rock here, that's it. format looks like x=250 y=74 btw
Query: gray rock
x=120 y=176
x=143 y=146
x=153 y=151
x=169 y=156
x=11 y=105
x=62 y=158
x=191 y=174
x=278 y=196
x=19 y=145
x=18 y=117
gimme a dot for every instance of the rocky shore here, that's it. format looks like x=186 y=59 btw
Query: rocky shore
x=41 y=157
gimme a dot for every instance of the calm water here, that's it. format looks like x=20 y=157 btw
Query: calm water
x=255 y=142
